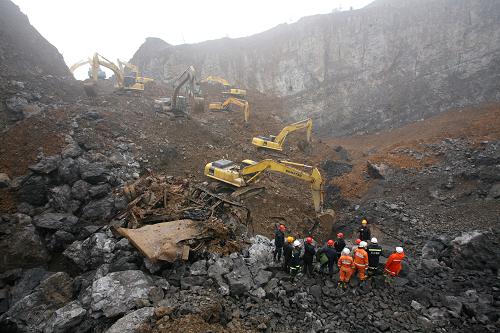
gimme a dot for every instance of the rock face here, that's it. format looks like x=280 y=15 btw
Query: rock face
x=390 y=63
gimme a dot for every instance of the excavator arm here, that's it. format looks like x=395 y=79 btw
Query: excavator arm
x=188 y=75
x=79 y=64
x=98 y=60
x=254 y=171
x=217 y=79
x=238 y=102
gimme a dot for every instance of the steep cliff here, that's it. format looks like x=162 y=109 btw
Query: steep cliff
x=390 y=63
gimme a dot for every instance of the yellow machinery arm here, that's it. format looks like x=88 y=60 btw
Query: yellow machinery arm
x=217 y=79
x=276 y=142
x=79 y=64
x=285 y=167
x=99 y=60
x=231 y=100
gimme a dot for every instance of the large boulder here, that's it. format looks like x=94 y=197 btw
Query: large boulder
x=131 y=322
x=60 y=199
x=32 y=312
x=101 y=209
x=80 y=190
x=475 y=250
x=46 y=165
x=218 y=269
x=260 y=253
x=65 y=318
x=68 y=171
x=94 y=173
x=72 y=150
x=33 y=190
x=56 y=221
x=118 y=292
x=239 y=279
x=92 y=252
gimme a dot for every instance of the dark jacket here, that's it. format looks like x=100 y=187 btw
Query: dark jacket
x=374 y=252
x=339 y=245
x=309 y=252
x=330 y=253
x=295 y=259
x=279 y=238
x=287 y=252
x=364 y=233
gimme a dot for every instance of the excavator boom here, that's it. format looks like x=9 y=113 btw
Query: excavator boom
x=231 y=100
x=276 y=142
x=217 y=79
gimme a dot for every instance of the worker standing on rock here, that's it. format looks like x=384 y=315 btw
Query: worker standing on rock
x=364 y=231
x=295 y=258
x=309 y=252
x=393 y=264
x=279 y=241
x=346 y=265
x=287 y=253
x=339 y=243
x=374 y=251
x=361 y=260
x=327 y=256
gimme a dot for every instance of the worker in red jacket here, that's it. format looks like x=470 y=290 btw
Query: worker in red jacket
x=393 y=264
x=361 y=260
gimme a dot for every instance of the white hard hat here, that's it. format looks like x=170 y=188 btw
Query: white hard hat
x=296 y=243
x=374 y=240
x=363 y=244
x=399 y=249
x=346 y=251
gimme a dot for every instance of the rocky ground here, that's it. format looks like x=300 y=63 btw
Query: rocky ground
x=66 y=162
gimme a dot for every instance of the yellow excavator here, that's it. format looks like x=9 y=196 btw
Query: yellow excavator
x=238 y=93
x=231 y=100
x=217 y=79
x=97 y=60
x=248 y=172
x=135 y=78
x=276 y=142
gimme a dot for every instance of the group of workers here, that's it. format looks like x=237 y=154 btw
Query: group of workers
x=362 y=260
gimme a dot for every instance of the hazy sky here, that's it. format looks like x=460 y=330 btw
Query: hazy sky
x=116 y=28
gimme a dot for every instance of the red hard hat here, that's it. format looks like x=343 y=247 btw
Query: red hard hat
x=340 y=235
x=309 y=240
x=330 y=242
x=358 y=241
x=282 y=227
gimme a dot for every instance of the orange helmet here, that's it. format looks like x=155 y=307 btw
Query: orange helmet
x=282 y=227
x=358 y=241
x=309 y=240
x=330 y=243
x=340 y=235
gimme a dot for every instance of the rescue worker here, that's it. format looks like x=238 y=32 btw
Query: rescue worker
x=295 y=258
x=346 y=265
x=356 y=246
x=340 y=242
x=287 y=253
x=393 y=264
x=364 y=231
x=361 y=261
x=374 y=251
x=279 y=241
x=327 y=256
x=309 y=252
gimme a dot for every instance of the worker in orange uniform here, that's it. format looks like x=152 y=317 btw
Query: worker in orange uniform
x=393 y=264
x=346 y=265
x=361 y=260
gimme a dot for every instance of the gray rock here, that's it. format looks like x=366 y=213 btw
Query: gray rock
x=260 y=253
x=55 y=221
x=32 y=312
x=262 y=277
x=316 y=291
x=430 y=264
x=98 y=210
x=72 y=150
x=198 y=268
x=453 y=304
x=33 y=190
x=416 y=305
x=118 y=292
x=259 y=292
x=15 y=106
x=80 y=190
x=380 y=171
x=65 y=318
x=92 y=252
x=4 y=180
x=131 y=322
x=26 y=208
x=240 y=279
x=60 y=199
x=99 y=191
x=494 y=191
x=46 y=164
x=28 y=281
x=94 y=173
x=68 y=171
x=188 y=282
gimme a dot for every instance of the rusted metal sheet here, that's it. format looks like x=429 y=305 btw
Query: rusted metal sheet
x=163 y=241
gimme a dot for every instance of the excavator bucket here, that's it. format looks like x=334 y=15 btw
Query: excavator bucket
x=326 y=219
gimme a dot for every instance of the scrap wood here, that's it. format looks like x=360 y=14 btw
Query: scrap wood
x=162 y=241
